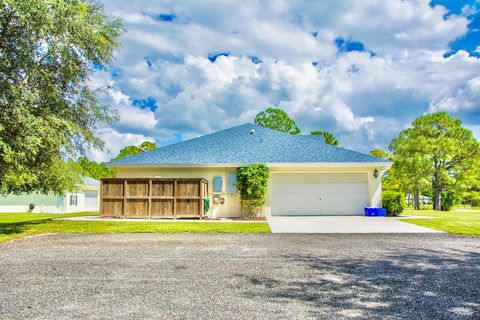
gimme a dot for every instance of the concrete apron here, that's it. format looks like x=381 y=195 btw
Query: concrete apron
x=349 y=224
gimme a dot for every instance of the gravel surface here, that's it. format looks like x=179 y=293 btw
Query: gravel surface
x=201 y=276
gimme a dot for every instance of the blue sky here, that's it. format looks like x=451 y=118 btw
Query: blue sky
x=361 y=69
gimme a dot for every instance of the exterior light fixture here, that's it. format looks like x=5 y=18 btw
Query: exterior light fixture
x=375 y=173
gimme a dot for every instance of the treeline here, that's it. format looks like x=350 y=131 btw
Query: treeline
x=98 y=170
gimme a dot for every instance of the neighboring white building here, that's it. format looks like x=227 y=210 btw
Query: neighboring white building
x=85 y=199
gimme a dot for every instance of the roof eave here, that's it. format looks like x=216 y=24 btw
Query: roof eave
x=381 y=165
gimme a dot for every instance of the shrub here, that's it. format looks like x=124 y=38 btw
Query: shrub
x=394 y=202
x=448 y=200
x=252 y=183
x=473 y=199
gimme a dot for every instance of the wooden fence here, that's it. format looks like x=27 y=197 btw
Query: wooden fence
x=153 y=197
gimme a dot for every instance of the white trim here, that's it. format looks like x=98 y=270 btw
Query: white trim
x=380 y=165
x=319 y=172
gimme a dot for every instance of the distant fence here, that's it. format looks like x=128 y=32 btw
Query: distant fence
x=152 y=197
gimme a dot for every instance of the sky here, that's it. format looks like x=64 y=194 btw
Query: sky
x=360 y=69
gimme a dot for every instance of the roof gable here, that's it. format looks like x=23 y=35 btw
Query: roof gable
x=244 y=144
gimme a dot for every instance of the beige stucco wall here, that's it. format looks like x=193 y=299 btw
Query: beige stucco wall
x=231 y=207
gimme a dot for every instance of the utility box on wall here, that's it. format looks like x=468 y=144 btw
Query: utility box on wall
x=217 y=184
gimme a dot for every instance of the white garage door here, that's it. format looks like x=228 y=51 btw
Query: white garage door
x=318 y=194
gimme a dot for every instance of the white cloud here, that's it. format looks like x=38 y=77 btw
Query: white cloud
x=363 y=98
x=283 y=29
x=114 y=141
x=130 y=117
x=465 y=98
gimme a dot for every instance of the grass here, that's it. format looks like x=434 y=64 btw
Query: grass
x=19 y=225
x=466 y=223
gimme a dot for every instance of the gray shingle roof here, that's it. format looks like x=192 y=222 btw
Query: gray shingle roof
x=238 y=145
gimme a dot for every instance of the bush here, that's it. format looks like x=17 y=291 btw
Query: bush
x=394 y=202
x=252 y=182
x=473 y=199
x=448 y=200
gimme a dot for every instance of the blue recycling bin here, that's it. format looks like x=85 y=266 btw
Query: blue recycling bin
x=382 y=212
x=370 y=212
x=375 y=212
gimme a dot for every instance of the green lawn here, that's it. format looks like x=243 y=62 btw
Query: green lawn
x=466 y=223
x=19 y=225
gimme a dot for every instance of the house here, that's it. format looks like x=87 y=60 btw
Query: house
x=85 y=199
x=307 y=176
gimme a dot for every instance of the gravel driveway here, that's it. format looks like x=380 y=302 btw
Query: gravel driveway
x=199 y=276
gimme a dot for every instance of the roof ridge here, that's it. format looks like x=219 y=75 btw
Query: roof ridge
x=346 y=149
x=179 y=142
x=322 y=141
x=202 y=136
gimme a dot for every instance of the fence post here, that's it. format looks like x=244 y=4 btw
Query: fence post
x=124 y=209
x=175 y=199
x=149 y=198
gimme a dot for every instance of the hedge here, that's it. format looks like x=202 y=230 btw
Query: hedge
x=394 y=202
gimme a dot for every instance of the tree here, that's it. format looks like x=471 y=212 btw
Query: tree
x=277 y=119
x=328 y=137
x=94 y=169
x=471 y=194
x=131 y=150
x=48 y=113
x=411 y=173
x=437 y=149
x=379 y=153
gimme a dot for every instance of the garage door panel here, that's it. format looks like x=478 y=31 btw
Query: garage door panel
x=320 y=205
x=319 y=194
x=337 y=204
x=326 y=177
x=283 y=187
x=303 y=204
x=298 y=199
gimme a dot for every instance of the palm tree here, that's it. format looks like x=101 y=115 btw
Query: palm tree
x=328 y=137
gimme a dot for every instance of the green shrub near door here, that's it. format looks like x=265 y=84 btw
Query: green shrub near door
x=252 y=183
x=394 y=202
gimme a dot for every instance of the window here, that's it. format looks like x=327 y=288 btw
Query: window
x=73 y=199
